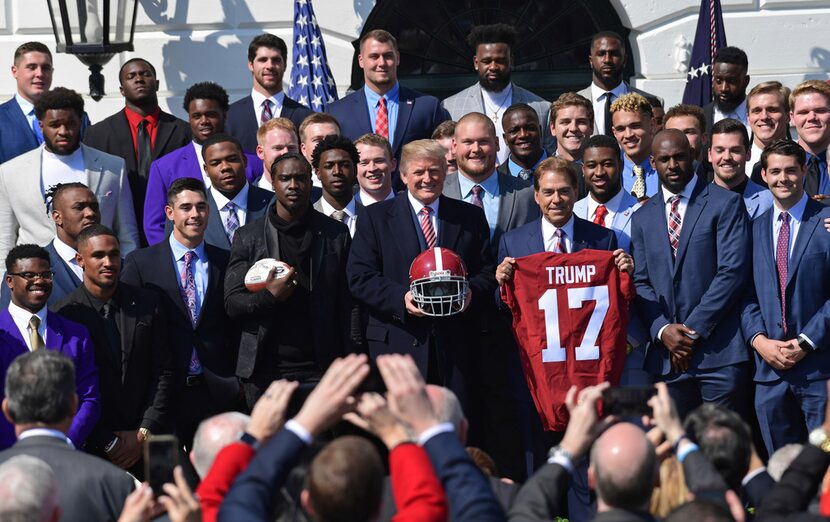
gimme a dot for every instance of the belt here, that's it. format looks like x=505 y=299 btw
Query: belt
x=193 y=381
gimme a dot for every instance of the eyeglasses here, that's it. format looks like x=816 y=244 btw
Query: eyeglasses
x=33 y=276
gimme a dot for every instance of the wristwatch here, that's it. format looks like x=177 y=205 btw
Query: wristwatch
x=560 y=452
x=820 y=439
x=804 y=344
x=144 y=434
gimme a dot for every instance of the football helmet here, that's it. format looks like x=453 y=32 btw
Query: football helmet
x=438 y=281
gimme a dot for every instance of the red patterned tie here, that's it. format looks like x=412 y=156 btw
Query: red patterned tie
x=427 y=228
x=599 y=216
x=382 y=119
x=674 y=225
x=266 y=115
x=782 y=254
x=559 y=245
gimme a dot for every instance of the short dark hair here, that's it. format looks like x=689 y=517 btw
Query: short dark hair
x=31 y=47
x=520 y=107
x=491 y=34
x=133 y=60
x=700 y=510
x=445 y=129
x=379 y=35
x=56 y=190
x=25 y=251
x=731 y=126
x=559 y=165
x=40 y=388
x=345 y=480
x=724 y=438
x=601 y=141
x=607 y=34
x=220 y=138
x=334 y=142
x=270 y=41
x=95 y=231
x=59 y=98
x=784 y=148
x=290 y=156
x=206 y=91
x=686 y=109
x=182 y=184
x=731 y=55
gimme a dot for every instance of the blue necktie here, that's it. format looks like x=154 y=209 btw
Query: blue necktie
x=35 y=127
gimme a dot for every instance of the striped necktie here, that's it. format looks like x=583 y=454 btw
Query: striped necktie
x=427 y=228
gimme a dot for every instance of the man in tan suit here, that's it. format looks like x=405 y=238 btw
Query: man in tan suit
x=26 y=180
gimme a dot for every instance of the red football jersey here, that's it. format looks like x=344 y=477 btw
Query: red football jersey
x=570 y=316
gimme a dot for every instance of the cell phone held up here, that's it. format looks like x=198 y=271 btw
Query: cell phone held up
x=161 y=456
x=627 y=402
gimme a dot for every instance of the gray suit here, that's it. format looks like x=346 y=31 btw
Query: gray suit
x=470 y=100
x=586 y=92
x=23 y=215
x=516 y=203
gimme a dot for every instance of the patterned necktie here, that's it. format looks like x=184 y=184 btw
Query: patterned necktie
x=188 y=289
x=674 y=225
x=639 y=188
x=427 y=228
x=782 y=254
x=524 y=174
x=145 y=149
x=476 y=199
x=266 y=114
x=559 y=245
x=608 y=123
x=36 y=126
x=35 y=340
x=339 y=215
x=233 y=220
x=382 y=119
x=599 y=216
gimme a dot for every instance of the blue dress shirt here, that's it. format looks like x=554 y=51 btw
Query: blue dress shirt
x=200 y=268
x=392 y=99
x=513 y=168
x=489 y=197
x=652 y=181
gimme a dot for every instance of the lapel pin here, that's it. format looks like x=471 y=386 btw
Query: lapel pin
x=409 y=102
x=108 y=194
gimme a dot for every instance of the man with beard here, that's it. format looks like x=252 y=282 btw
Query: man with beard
x=206 y=104
x=335 y=159
x=729 y=82
x=140 y=133
x=25 y=181
x=494 y=92
x=523 y=136
x=374 y=171
x=728 y=154
x=767 y=107
x=607 y=59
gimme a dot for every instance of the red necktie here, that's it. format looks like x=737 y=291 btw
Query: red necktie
x=266 y=112
x=782 y=254
x=427 y=228
x=674 y=225
x=382 y=119
x=599 y=216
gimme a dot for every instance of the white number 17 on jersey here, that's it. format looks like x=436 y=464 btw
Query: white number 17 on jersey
x=588 y=350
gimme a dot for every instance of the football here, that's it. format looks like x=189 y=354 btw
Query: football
x=257 y=277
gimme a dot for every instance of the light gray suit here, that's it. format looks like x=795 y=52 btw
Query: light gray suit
x=586 y=92
x=470 y=100
x=23 y=215
x=516 y=204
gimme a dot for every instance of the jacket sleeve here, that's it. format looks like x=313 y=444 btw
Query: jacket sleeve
x=154 y=201
x=544 y=496
x=159 y=400
x=417 y=491
x=125 y=223
x=229 y=463
x=647 y=302
x=86 y=386
x=797 y=487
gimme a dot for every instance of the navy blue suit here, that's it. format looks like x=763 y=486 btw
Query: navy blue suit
x=64 y=281
x=784 y=396
x=702 y=289
x=242 y=124
x=16 y=134
x=418 y=115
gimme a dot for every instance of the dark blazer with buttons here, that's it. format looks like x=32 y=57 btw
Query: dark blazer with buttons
x=136 y=391
x=241 y=122
x=330 y=305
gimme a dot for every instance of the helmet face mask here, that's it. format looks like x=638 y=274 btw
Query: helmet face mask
x=438 y=282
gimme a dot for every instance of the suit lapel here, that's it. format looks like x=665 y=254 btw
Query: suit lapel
x=580 y=234
x=121 y=130
x=94 y=170
x=30 y=193
x=170 y=280
x=405 y=104
x=403 y=228
x=765 y=242
x=129 y=318
x=318 y=206
x=7 y=324
x=214 y=287
x=163 y=133
x=215 y=233
x=54 y=338
x=507 y=197
x=449 y=229
x=809 y=222
x=535 y=242
x=363 y=108
x=693 y=210
x=623 y=217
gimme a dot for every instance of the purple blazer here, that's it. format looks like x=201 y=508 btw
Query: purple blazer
x=70 y=339
x=181 y=163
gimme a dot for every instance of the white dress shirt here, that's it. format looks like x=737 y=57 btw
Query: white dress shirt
x=612 y=206
x=67 y=253
x=598 y=101
x=276 y=104
x=738 y=114
x=685 y=194
x=21 y=318
x=549 y=239
x=366 y=199
x=350 y=210
x=433 y=217
x=241 y=202
x=56 y=168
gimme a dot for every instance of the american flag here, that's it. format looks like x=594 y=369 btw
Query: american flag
x=709 y=37
x=312 y=83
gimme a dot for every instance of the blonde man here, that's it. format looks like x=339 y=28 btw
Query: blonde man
x=767 y=108
x=810 y=114
x=274 y=138
x=571 y=123
x=375 y=169
x=633 y=128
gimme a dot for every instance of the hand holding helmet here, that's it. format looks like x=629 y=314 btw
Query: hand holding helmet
x=438 y=284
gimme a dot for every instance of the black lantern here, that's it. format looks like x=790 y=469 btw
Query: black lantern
x=94 y=31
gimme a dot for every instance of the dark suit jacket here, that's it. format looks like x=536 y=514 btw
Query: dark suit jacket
x=791 y=496
x=214 y=337
x=544 y=495
x=385 y=244
x=330 y=306
x=418 y=115
x=242 y=123
x=64 y=280
x=113 y=135
x=89 y=488
x=259 y=200
x=137 y=390
x=16 y=134
x=703 y=287
x=807 y=294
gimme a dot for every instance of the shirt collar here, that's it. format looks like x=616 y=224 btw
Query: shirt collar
x=66 y=252
x=373 y=98
x=277 y=99
x=612 y=205
x=240 y=200
x=738 y=113
x=135 y=118
x=490 y=185
x=46 y=432
x=367 y=199
x=512 y=166
x=25 y=105
x=549 y=228
x=796 y=212
x=179 y=250
x=598 y=93
x=629 y=164
x=22 y=316
x=417 y=205
x=349 y=209
x=685 y=193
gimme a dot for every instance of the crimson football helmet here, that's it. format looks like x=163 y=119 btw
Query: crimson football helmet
x=438 y=281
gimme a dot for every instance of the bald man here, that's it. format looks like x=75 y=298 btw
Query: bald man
x=623 y=469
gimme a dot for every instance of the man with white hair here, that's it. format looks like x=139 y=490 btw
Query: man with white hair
x=28 y=490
